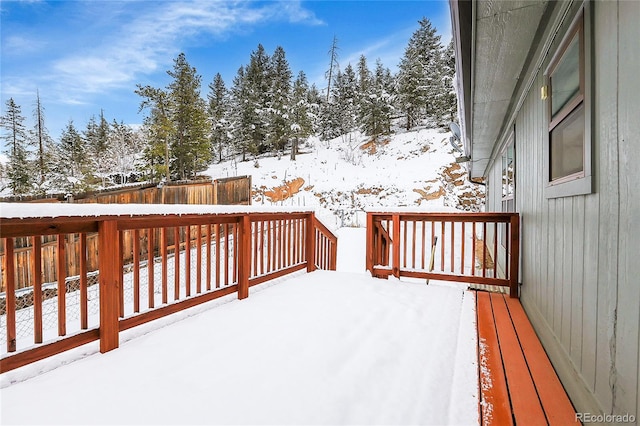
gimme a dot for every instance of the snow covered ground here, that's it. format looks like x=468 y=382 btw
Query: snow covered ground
x=343 y=177
x=320 y=348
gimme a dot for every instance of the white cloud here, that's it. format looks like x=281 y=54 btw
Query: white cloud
x=146 y=42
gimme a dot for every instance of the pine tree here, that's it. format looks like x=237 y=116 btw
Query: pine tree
x=190 y=145
x=43 y=143
x=19 y=168
x=257 y=99
x=219 y=110
x=279 y=111
x=333 y=65
x=345 y=98
x=419 y=81
x=242 y=115
x=72 y=161
x=122 y=149
x=376 y=105
x=301 y=113
x=449 y=104
x=158 y=130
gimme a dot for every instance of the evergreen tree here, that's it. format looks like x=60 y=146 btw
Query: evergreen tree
x=158 y=130
x=219 y=110
x=121 y=153
x=419 y=81
x=449 y=104
x=279 y=115
x=257 y=99
x=72 y=161
x=376 y=105
x=301 y=112
x=43 y=143
x=334 y=67
x=241 y=115
x=345 y=99
x=190 y=146
x=15 y=136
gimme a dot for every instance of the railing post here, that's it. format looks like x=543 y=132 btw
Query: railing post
x=311 y=243
x=244 y=258
x=369 y=249
x=109 y=250
x=514 y=262
x=396 y=245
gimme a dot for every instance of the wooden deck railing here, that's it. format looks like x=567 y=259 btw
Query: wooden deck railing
x=480 y=248
x=150 y=266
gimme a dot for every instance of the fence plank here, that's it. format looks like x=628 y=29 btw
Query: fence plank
x=84 y=302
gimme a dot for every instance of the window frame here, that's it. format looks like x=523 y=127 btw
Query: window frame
x=578 y=183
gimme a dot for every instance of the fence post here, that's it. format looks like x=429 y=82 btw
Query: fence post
x=110 y=253
x=311 y=243
x=396 y=245
x=244 y=258
x=514 y=261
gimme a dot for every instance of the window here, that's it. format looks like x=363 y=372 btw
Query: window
x=508 y=186
x=568 y=150
x=508 y=178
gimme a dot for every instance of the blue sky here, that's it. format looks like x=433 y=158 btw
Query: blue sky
x=87 y=56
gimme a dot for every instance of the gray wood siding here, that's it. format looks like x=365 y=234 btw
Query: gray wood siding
x=580 y=255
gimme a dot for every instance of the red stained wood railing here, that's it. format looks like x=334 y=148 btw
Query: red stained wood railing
x=481 y=248
x=206 y=255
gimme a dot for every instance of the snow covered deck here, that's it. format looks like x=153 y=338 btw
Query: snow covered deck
x=318 y=348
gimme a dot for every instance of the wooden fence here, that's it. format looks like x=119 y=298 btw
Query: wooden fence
x=480 y=248
x=150 y=266
x=228 y=191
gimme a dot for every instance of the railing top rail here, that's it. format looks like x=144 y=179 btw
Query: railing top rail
x=326 y=231
x=22 y=211
x=446 y=216
x=19 y=220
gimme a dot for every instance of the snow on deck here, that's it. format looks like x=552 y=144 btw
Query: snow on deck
x=319 y=348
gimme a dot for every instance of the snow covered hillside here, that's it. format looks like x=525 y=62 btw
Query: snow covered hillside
x=346 y=175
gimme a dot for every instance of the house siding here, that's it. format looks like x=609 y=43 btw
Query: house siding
x=580 y=269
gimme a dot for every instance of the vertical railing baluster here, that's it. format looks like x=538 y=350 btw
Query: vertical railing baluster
x=164 y=248
x=473 y=248
x=136 y=270
x=10 y=291
x=36 y=271
x=208 y=242
x=495 y=249
x=226 y=253
x=443 y=243
x=121 y=275
x=199 y=260
x=464 y=225
x=187 y=260
x=484 y=249
x=217 y=232
x=84 y=297
x=176 y=263
x=62 y=286
x=453 y=245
